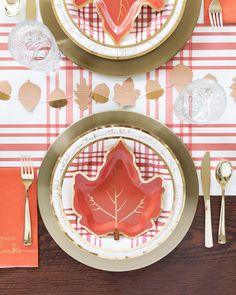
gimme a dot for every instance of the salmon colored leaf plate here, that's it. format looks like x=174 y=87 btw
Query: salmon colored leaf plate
x=117 y=200
x=121 y=29
x=118 y=16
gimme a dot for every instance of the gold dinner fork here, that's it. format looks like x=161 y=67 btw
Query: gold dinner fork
x=215 y=14
x=27 y=175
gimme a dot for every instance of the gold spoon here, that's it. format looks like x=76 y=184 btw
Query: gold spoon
x=223 y=174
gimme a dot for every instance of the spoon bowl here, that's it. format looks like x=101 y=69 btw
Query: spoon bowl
x=224 y=172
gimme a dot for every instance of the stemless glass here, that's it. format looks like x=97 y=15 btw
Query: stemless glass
x=201 y=102
x=32 y=44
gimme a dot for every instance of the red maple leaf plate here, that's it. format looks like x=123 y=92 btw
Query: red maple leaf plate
x=118 y=16
x=117 y=201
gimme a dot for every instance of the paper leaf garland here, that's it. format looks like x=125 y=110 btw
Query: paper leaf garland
x=57 y=99
x=126 y=94
x=5 y=90
x=181 y=76
x=118 y=16
x=153 y=89
x=101 y=93
x=29 y=95
x=83 y=94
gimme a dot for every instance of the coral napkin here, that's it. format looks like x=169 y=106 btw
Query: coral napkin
x=229 y=11
x=12 y=197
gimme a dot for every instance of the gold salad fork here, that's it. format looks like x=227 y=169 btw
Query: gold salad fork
x=27 y=175
x=215 y=14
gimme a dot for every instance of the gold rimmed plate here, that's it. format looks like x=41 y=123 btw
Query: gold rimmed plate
x=115 y=119
x=133 y=66
x=152 y=159
x=85 y=26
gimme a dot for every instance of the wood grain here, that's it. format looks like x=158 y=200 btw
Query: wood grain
x=189 y=269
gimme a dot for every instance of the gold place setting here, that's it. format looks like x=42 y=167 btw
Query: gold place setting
x=117 y=124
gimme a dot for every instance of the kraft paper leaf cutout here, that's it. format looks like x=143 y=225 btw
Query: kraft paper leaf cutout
x=57 y=99
x=153 y=89
x=233 y=87
x=101 y=93
x=126 y=94
x=118 y=16
x=117 y=200
x=210 y=77
x=5 y=90
x=83 y=94
x=181 y=76
x=29 y=95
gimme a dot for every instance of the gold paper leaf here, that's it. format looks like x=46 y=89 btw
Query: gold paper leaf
x=153 y=89
x=29 y=95
x=181 y=76
x=83 y=94
x=126 y=94
x=233 y=87
x=5 y=90
x=101 y=93
x=210 y=77
x=57 y=99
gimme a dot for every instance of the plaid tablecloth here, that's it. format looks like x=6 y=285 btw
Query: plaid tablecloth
x=207 y=51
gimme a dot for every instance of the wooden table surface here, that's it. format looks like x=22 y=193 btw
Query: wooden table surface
x=189 y=269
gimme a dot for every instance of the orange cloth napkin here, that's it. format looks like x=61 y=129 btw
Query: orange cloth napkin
x=12 y=199
x=229 y=11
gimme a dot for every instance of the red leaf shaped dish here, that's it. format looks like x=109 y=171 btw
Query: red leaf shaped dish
x=118 y=15
x=117 y=200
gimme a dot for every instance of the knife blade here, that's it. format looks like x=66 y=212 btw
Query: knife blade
x=206 y=184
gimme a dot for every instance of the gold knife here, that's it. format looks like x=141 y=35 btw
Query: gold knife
x=30 y=9
x=206 y=183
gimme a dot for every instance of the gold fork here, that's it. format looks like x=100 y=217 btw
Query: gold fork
x=27 y=175
x=215 y=14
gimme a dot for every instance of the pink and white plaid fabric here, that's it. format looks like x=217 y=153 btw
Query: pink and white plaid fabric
x=206 y=52
x=146 y=24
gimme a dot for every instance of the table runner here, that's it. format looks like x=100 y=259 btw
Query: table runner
x=206 y=52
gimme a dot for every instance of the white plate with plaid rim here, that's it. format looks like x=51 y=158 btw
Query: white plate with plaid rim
x=86 y=155
x=150 y=29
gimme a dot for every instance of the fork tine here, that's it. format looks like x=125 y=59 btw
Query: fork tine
x=21 y=165
x=218 y=20
x=221 y=20
x=31 y=166
x=214 y=19
x=28 y=164
x=211 y=19
x=24 y=165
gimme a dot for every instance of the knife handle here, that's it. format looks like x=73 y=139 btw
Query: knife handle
x=208 y=226
x=222 y=231
x=31 y=9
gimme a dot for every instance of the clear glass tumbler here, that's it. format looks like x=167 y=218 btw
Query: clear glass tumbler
x=32 y=44
x=201 y=102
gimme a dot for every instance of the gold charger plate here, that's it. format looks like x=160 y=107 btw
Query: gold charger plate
x=151 y=60
x=117 y=118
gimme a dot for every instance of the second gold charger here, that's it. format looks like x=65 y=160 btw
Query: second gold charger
x=152 y=60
